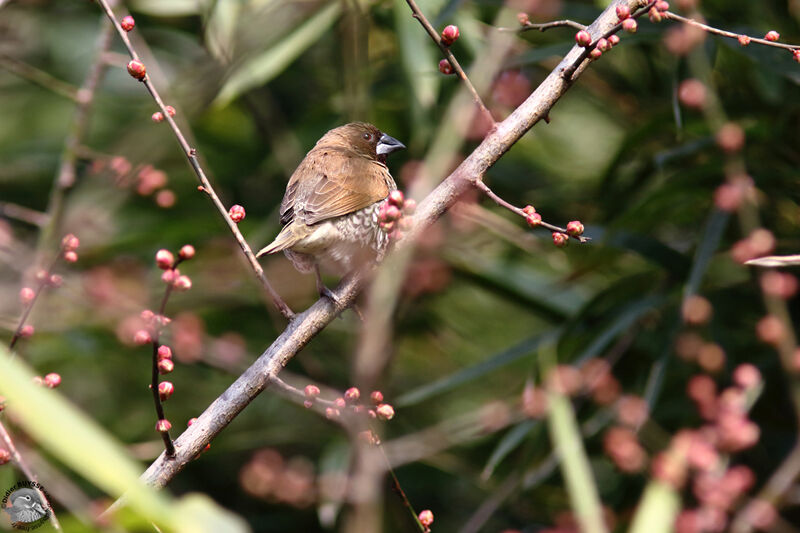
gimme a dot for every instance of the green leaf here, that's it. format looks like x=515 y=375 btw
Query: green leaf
x=419 y=57
x=85 y=447
x=262 y=68
x=221 y=28
x=452 y=381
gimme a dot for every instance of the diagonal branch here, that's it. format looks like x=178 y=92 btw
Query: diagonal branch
x=307 y=324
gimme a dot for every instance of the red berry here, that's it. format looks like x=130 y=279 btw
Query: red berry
x=450 y=34
x=744 y=40
x=575 y=228
x=163 y=425
x=583 y=38
x=445 y=67
x=623 y=11
x=127 y=23
x=560 y=239
x=772 y=35
x=165 y=390
x=137 y=69
x=158 y=116
x=630 y=25
x=164 y=259
x=52 y=380
x=237 y=213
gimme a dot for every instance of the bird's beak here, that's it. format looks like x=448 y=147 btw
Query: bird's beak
x=388 y=144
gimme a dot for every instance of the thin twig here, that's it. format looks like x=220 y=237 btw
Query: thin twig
x=165 y=436
x=723 y=33
x=448 y=54
x=528 y=26
x=39 y=77
x=502 y=203
x=23 y=466
x=67 y=170
x=24 y=214
x=205 y=184
x=43 y=282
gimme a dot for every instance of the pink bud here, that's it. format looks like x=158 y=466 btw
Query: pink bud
x=311 y=391
x=183 y=283
x=426 y=518
x=613 y=40
x=70 y=256
x=170 y=110
x=331 y=413
x=164 y=352
x=560 y=240
x=450 y=34
x=236 y=213
x=165 y=390
x=5 y=456
x=772 y=35
x=534 y=219
x=744 y=40
x=55 y=281
x=165 y=366
x=127 y=23
x=26 y=295
x=396 y=197
x=575 y=228
x=70 y=242
x=445 y=67
x=52 y=380
x=164 y=259
x=595 y=53
x=163 y=425
x=583 y=38
x=137 y=69
x=630 y=25
x=352 y=395
x=623 y=11
x=26 y=331
x=602 y=45
x=662 y=6
x=385 y=411
x=142 y=337
x=747 y=376
x=376 y=396
x=186 y=252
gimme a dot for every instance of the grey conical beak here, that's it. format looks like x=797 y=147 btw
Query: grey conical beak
x=388 y=144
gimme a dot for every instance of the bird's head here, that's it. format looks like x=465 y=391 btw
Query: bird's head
x=364 y=139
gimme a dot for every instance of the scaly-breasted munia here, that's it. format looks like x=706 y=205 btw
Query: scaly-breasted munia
x=330 y=210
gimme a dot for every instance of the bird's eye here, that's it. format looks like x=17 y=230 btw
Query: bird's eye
x=367 y=136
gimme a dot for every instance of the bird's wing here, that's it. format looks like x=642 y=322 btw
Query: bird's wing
x=332 y=182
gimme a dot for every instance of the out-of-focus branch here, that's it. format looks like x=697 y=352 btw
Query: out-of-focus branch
x=528 y=26
x=307 y=324
x=448 y=54
x=205 y=184
x=39 y=77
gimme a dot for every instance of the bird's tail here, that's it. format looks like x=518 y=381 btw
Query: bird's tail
x=285 y=239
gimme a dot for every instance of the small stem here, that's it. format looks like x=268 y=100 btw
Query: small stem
x=514 y=209
x=39 y=288
x=191 y=156
x=24 y=214
x=400 y=492
x=451 y=58
x=723 y=33
x=39 y=77
x=528 y=26
x=165 y=436
x=23 y=466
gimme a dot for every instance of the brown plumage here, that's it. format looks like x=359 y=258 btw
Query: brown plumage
x=330 y=209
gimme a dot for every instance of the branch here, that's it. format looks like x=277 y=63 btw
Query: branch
x=39 y=77
x=528 y=25
x=307 y=324
x=451 y=59
x=723 y=33
x=205 y=184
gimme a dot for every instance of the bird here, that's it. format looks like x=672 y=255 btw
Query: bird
x=331 y=209
x=26 y=506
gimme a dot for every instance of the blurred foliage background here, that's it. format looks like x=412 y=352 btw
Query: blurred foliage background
x=256 y=83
